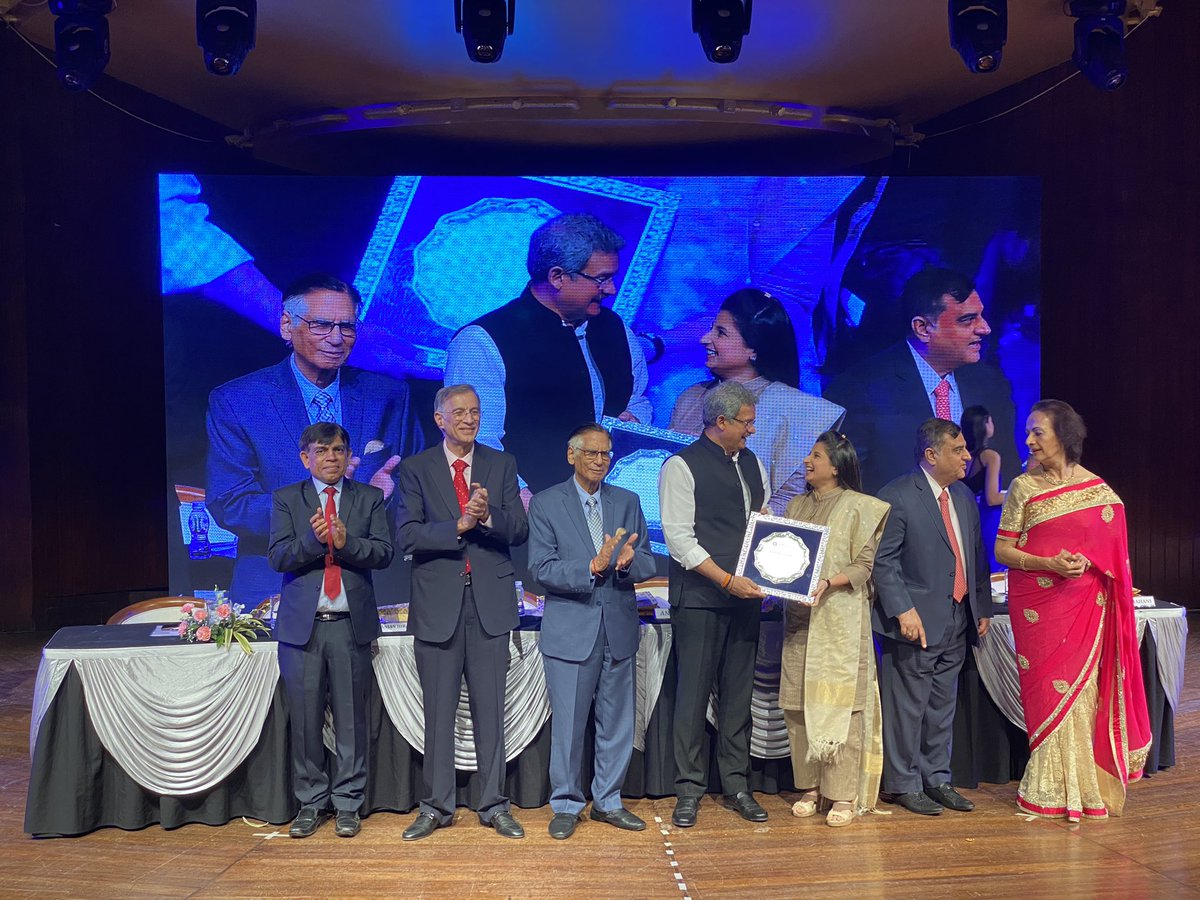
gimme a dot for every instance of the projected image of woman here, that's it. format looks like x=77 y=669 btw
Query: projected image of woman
x=1062 y=535
x=752 y=342
x=983 y=472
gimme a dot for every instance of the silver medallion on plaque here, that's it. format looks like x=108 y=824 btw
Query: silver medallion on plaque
x=781 y=558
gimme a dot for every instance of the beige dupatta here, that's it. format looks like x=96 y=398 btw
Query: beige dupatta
x=828 y=662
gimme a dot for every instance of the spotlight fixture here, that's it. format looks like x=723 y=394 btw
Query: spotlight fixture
x=978 y=31
x=721 y=25
x=484 y=24
x=81 y=49
x=225 y=32
x=1100 y=41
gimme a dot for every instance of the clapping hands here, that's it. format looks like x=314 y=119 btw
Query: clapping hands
x=604 y=556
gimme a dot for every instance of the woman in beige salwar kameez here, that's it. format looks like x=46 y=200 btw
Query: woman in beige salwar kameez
x=828 y=689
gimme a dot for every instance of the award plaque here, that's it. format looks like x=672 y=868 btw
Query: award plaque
x=783 y=556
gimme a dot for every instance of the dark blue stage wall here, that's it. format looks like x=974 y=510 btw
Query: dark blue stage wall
x=431 y=254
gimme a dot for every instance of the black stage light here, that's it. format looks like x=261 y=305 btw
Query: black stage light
x=81 y=48
x=721 y=25
x=978 y=31
x=225 y=32
x=484 y=24
x=1100 y=41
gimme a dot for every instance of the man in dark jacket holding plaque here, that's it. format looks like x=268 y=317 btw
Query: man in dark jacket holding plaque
x=706 y=494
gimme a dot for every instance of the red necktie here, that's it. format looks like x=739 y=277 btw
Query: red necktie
x=941 y=400
x=333 y=572
x=460 y=491
x=960 y=574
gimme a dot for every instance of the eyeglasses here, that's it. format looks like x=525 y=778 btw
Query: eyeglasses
x=598 y=280
x=593 y=455
x=745 y=423
x=459 y=415
x=322 y=327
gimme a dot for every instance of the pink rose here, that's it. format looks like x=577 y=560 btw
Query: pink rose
x=203 y=633
x=183 y=626
x=187 y=608
x=223 y=610
x=200 y=614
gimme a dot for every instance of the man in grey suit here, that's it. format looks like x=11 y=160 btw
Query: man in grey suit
x=327 y=534
x=933 y=598
x=588 y=548
x=464 y=602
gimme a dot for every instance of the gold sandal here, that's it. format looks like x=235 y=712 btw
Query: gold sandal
x=840 y=818
x=803 y=808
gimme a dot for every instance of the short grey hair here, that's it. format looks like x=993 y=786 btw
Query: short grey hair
x=726 y=399
x=575 y=441
x=569 y=241
x=451 y=390
x=295 y=295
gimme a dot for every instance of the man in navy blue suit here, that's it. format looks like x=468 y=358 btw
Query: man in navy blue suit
x=933 y=598
x=588 y=548
x=254 y=422
x=327 y=535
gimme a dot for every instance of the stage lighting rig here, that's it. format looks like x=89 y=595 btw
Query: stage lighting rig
x=721 y=25
x=978 y=31
x=484 y=24
x=225 y=32
x=1100 y=41
x=81 y=49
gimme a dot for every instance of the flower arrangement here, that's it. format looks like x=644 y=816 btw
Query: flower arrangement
x=223 y=625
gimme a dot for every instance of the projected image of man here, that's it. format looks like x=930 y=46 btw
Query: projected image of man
x=254 y=422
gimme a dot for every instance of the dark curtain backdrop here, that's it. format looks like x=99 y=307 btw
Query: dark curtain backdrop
x=82 y=365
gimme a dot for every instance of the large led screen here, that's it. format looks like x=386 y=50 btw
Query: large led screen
x=795 y=286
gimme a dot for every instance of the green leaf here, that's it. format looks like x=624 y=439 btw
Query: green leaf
x=245 y=644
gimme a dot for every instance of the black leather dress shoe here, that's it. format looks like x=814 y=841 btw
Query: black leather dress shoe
x=423 y=826
x=307 y=821
x=506 y=825
x=948 y=797
x=917 y=802
x=562 y=826
x=347 y=823
x=620 y=818
x=685 y=811
x=746 y=806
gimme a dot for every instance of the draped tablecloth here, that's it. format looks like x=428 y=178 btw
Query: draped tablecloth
x=996 y=657
x=179 y=718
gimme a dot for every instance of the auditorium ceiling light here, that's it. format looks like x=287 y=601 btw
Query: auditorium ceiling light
x=978 y=31
x=225 y=32
x=484 y=24
x=721 y=25
x=81 y=48
x=1100 y=41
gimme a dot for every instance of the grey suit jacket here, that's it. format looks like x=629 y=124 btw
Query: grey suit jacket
x=295 y=551
x=560 y=554
x=914 y=566
x=426 y=516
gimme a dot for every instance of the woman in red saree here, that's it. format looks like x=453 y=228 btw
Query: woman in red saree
x=1062 y=535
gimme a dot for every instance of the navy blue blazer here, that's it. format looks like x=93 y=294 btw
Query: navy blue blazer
x=295 y=551
x=885 y=403
x=914 y=566
x=254 y=425
x=560 y=556
x=426 y=516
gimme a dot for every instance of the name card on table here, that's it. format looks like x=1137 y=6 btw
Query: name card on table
x=1143 y=601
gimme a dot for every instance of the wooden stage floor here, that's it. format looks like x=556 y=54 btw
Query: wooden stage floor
x=992 y=852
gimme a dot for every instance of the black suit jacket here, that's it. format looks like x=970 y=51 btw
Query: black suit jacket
x=886 y=402
x=295 y=551
x=426 y=516
x=914 y=566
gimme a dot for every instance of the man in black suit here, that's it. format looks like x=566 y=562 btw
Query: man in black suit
x=932 y=598
x=935 y=371
x=327 y=534
x=464 y=602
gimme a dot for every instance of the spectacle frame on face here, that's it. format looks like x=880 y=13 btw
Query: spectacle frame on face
x=598 y=280
x=593 y=455
x=745 y=423
x=322 y=327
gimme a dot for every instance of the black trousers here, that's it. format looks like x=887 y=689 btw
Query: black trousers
x=483 y=658
x=713 y=646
